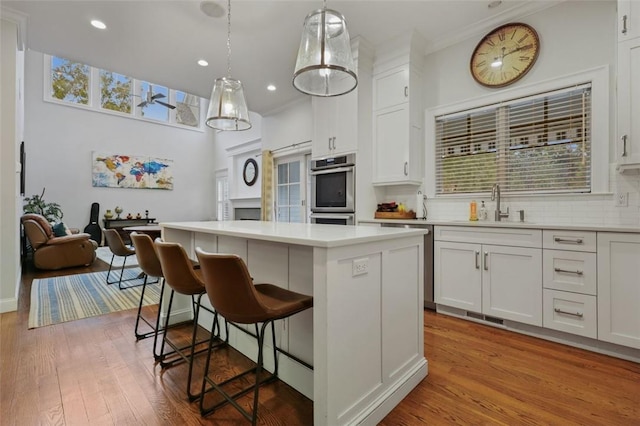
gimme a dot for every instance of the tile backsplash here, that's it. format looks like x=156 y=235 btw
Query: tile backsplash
x=588 y=209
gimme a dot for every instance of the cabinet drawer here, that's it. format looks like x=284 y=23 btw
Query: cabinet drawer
x=497 y=236
x=569 y=271
x=570 y=312
x=569 y=240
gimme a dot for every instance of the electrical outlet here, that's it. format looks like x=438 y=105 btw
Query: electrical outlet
x=622 y=199
x=360 y=266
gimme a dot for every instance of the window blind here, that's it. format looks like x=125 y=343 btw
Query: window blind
x=538 y=144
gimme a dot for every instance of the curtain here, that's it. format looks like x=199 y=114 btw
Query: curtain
x=267 y=186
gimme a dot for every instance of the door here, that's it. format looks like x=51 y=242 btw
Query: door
x=619 y=289
x=457 y=275
x=291 y=189
x=512 y=283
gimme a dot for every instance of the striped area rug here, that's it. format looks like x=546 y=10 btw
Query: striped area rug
x=67 y=298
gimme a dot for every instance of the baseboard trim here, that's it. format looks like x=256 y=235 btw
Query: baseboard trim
x=8 y=305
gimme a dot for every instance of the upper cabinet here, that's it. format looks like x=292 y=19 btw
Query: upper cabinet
x=397 y=116
x=335 y=124
x=628 y=19
x=628 y=90
x=336 y=120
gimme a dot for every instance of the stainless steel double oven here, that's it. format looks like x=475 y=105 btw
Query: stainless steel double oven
x=333 y=190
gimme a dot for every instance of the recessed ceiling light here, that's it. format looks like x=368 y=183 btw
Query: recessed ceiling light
x=98 y=24
x=271 y=88
x=202 y=62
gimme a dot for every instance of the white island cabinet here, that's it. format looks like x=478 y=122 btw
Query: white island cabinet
x=364 y=335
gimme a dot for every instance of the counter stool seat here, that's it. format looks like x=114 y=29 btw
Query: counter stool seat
x=183 y=278
x=150 y=265
x=233 y=295
x=119 y=248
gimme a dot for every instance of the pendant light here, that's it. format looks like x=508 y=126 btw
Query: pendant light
x=325 y=65
x=227 y=107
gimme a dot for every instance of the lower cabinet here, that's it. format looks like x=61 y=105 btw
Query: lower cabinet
x=619 y=288
x=503 y=281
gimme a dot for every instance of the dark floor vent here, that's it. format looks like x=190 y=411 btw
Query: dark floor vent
x=485 y=318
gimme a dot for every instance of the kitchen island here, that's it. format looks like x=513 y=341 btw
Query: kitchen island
x=364 y=335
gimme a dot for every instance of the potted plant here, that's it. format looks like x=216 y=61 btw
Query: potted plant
x=36 y=204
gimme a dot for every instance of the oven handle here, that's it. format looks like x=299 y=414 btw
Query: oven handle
x=333 y=170
x=332 y=216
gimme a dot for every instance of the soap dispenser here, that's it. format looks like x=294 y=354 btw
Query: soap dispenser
x=483 y=215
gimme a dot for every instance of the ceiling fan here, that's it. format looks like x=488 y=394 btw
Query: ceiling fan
x=153 y=99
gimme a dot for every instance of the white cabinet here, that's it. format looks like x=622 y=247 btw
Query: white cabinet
x=397 y=126
x=628 y=19
x=457 y=276
x=391 y=88
x=619 y=288
x=481 y=271
x=628 y=92
x=569 y=279
x=335 y=124
x=338 y=120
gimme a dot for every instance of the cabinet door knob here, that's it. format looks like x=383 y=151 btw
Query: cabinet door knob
x=624 y=24
x=624 y=145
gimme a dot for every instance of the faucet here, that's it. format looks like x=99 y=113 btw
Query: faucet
x=498 y=215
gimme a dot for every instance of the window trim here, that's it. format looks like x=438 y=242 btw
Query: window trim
x=600 y=130
x=94 y=98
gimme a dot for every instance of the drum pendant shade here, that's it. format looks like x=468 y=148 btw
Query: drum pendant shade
x=325 y=65
x=227 y=106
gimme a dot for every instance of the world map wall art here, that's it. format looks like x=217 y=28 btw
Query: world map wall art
x=131 y=171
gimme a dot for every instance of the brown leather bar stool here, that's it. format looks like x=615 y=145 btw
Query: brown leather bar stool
x=119 y=248
x=181 y=276
x=234 y=296
x=150 y=265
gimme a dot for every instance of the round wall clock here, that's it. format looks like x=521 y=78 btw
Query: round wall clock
x=250 y=172
x=505 y=55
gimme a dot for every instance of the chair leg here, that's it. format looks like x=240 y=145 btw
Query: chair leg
x=156 y=356
x=140 y=336
x=231 y=399
x=120 y=280
x=155 y=327
x=196 y=313
x=165 y=329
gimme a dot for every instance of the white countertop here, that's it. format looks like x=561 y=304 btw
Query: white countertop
x=307 y=234
x=507 y=224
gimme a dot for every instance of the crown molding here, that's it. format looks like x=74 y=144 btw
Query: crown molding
x=482 y=27
x=18 y=18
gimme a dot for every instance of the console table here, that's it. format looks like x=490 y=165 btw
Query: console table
x=119 y=224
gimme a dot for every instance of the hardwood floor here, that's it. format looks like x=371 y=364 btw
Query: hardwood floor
x=92 y=371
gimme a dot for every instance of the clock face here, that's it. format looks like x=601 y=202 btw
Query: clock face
x=505 y=55
x=250 y=172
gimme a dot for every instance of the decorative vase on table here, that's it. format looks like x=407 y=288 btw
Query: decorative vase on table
x=118 y=211
x=108 y=214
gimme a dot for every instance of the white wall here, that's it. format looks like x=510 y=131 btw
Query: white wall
x=288 y=126
x=59 y=141
x=10 y=134
x=574 y=36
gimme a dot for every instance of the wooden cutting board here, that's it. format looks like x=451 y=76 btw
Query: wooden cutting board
x=395 y=215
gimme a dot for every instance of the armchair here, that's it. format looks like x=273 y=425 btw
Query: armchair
x=51 y=252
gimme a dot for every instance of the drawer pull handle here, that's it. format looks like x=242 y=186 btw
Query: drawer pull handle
x=568 y=240
x=575 y=314
x=566 y=271
x=486 y=261
x=477 y=258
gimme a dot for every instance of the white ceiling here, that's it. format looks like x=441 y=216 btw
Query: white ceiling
x=160 y=41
